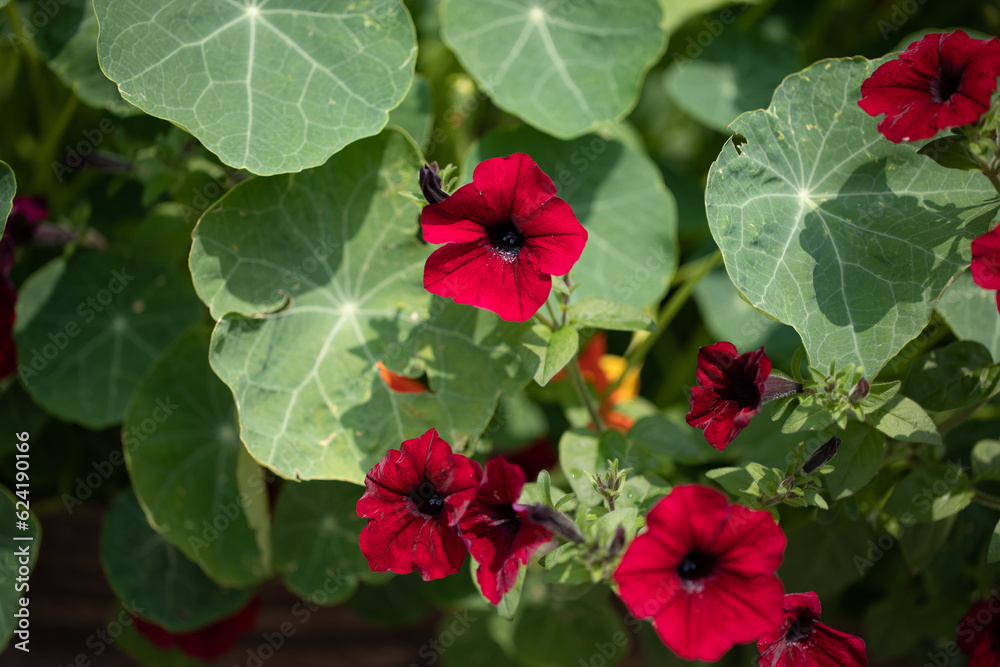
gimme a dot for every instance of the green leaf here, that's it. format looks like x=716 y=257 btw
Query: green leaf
x=315 y=539
x=578 y=453
x=902 y=419
x=13 y=542
x=750 y=480
x=68 y=41
x=89 y=327
x=152 y=577
x=147 y=654
x=857 y=460
x=472 y=645
x=8 y=187
x=204 y=505
x=952 y=377
x=601 y=313
x=952 y=151
x=737 y=72
x=921 y=542
x=930 y=494
x=545 y=352
x=564 y=68
x=986 y=461
x=993 y=555
x=272 y=88
x=810 y=414
x=667 y=438
x=828 y=227
x=320 y=274
x=971 y=312
x=628 y=258
x=825 y=558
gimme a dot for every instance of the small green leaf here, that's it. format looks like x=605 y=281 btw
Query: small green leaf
x=810 y=415
x=857 y=460
x=577 y=454
x=929 y=494
x=156 y=580
x=601 y=313
x=545 y=352
x=986 y=461
x=667 y=438
x=544 y=487
x=750 y=481
x=879 y=394
x=901 y=418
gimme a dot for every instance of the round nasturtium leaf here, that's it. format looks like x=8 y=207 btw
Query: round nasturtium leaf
x=152 y=578
x=315 y=279
x=213 y=506
x=271 y=87
x=618 y=195
x=7 y=189
x=563 y=67
x=89 y=326
x=827 y=226
x=316 y=529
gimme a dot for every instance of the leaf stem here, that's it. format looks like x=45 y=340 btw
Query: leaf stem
x=35 y=79
x=580 y=386
x=53 y=137
x=694 y=271
x=986 y=499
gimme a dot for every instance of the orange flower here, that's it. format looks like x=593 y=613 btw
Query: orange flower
x=602 y=370
x=400 y=384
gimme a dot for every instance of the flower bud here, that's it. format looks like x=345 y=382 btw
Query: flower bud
x=556 y=522
x=821 y=456
x=430 y=184
x=859 y=392
x=776 y=386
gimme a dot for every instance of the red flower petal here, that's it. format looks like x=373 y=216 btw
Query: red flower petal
x=986 y=259
x=514 y=186
x=412 y=499
x=704 y=571
x=499 y=534
x=802 y=641
x=400 y=384
x=940 y=81
x=472 y=274
x=209 y=642
x=977 y=632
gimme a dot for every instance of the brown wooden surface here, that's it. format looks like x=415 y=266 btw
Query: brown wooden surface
x=71 y=601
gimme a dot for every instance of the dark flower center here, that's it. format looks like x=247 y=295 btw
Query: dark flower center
x=946 y=84
x=695 y=566
x=427 y=500
x=743 y=390
x=800 y=630
x=506 y=239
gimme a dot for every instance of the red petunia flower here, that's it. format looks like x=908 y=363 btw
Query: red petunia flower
x=802 y=641
x=209 y=642
x=497 y=529
x=979 y=633
x=731 y=391
x=943 y=80
x=986 y=261
x=413 y=499
x=507 y=234
x=704 y=571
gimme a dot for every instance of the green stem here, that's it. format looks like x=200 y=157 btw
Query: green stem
x=958 y=418
x=39 y=90
x=53 y=137
x=986 y=499
x=994 y=179
x=546 y=321
x=580 y=386
x=694 y=272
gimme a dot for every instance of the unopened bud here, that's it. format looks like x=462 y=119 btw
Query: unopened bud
x=617 y=542
x=556 y=522
x=776 y=386
x=430 y=184
x=821 y=456
x=859 y=392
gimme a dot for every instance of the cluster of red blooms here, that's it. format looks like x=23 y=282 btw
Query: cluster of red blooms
x=940 y=82
x=427 y=506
